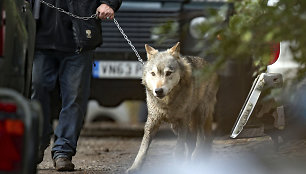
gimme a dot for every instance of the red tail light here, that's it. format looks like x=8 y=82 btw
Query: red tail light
x=11 y=146
x=11 y=138
x=2 y=32
x=8 y=107
x=275 y=50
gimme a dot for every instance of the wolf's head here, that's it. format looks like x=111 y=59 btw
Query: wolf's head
x=162 y=72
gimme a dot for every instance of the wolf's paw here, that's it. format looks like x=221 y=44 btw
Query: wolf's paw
x=132 y=170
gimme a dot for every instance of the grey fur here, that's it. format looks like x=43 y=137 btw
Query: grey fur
x=188 y=106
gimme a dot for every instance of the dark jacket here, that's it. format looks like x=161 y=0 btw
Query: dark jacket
x=59 y=31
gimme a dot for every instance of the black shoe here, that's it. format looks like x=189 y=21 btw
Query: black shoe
x=63 y=164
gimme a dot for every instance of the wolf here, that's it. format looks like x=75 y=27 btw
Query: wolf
x=176 y=94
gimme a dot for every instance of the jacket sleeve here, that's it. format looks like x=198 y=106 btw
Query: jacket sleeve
x=114 y=4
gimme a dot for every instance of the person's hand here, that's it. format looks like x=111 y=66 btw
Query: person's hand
x=105 y=12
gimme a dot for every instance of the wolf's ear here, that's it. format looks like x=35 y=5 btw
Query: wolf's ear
x=175 y=50
x=150 y=51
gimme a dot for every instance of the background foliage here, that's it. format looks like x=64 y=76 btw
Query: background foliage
x=250 y=29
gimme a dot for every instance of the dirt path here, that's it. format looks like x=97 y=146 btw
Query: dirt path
x=112 y=155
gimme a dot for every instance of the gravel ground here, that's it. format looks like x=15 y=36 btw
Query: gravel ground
x=113 y=154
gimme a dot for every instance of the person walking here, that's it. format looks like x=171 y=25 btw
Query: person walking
x=64 y=52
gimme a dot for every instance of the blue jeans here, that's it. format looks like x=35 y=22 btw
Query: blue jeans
x=73 y=72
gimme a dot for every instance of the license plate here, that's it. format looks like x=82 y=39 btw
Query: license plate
x=117 y=69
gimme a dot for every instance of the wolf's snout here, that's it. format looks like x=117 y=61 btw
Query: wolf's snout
x=159 y=92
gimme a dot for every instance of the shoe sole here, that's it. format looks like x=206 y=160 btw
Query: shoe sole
x=64 y=168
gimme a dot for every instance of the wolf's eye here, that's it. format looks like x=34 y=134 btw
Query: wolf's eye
x=152 y=73
x=168 y=73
